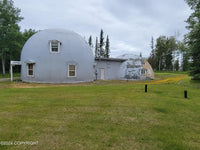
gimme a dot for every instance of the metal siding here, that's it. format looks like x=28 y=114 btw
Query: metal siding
x=111 y=69
x=53 y=68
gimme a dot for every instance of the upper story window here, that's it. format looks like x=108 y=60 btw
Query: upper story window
x=55 y=46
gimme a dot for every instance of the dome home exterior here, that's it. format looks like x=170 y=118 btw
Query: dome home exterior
x=57 y=56
x=63 y=56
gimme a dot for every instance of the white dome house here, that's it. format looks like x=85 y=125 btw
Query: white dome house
x=57 y=56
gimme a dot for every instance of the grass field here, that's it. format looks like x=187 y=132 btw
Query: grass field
x=102 y=115
x=7 y=75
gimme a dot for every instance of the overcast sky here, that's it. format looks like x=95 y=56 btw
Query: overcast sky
x=130 y=24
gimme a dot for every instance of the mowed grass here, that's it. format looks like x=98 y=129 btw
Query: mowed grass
x=7 y=75
x=102 y=116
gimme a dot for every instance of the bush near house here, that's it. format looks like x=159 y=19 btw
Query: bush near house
x=102 y=115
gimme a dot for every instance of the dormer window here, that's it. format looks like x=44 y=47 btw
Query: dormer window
x=55 y=46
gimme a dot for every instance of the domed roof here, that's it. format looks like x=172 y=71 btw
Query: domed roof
x=50 y=66
x=69 y=40
x=129 y=56
x=135 y=67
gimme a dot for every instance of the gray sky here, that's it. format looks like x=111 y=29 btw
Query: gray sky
x=130 y=24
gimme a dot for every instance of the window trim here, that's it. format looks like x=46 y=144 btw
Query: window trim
x=72 y=70
x=50 y=46
x=28 y=75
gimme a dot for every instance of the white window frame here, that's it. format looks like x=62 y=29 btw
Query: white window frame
x=28 y=75
x=50 y=47
x=71 y=70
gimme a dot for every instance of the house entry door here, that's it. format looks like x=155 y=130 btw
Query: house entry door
x=102 y=74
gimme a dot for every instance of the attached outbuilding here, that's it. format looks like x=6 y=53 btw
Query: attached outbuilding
x=125 y=67
x=108 y=68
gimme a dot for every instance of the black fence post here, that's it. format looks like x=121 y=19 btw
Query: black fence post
x=185 y=93
x=96 y=74
x=145 y=88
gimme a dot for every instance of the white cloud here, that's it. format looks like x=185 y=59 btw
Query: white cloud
x=129 y=24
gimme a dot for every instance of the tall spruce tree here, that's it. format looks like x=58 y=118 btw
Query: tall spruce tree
x=96 y=48
x=185 y=61
x=171 y=46
x=90 y=41
x=185 y=65
x=176 y=65
x=101 y=44
x=193 y=37
x=140 y=54
x=151 y=59
x=160 y=51
x=9 y=30
x=107 y=48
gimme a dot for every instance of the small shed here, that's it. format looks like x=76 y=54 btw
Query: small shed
x=108 y=68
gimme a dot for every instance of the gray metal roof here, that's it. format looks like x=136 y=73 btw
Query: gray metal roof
x=110 y=59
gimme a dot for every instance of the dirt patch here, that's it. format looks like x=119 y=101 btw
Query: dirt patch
x=39 y=85
x=20 y=84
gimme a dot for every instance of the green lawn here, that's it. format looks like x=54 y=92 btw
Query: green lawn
x=102 y=115
x=7 y=75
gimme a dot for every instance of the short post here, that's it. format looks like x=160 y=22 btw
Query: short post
x=185 y=93
x=96 y=74
x=145 y=88
x=11 y=72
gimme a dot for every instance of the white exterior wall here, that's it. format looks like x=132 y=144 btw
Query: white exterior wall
x=53 y=68
x=131 y=69
x=111 y=69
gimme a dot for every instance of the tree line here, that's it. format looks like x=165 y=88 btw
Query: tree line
x=101 y=49
x=169 y=54
x=11 y=38
x=163 y=52
x=192 y=39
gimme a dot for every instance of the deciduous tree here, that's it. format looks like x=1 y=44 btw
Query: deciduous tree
x=9 y=31
x=193 y=37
